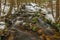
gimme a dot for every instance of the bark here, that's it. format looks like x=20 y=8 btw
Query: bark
x=0 y=8
x=4 y=6
x=11 y=7
x=57 y=10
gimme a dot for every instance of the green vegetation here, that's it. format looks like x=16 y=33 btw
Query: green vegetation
x=34 y=20
x=35 y=28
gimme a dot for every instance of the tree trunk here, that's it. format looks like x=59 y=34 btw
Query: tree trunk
x=11 y=7
x=0 y=8
x=4 y=6
x=57 y=10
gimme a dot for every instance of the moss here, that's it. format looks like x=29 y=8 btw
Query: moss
x=34 y=28
x=34 y=20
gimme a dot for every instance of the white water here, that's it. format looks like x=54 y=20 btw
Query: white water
x=2 y=25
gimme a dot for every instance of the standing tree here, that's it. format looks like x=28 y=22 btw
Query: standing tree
x=0 y=7
x=0 y=10
x=11 y=7
x=4 y=6
x=57 y=10
x=51 y=5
